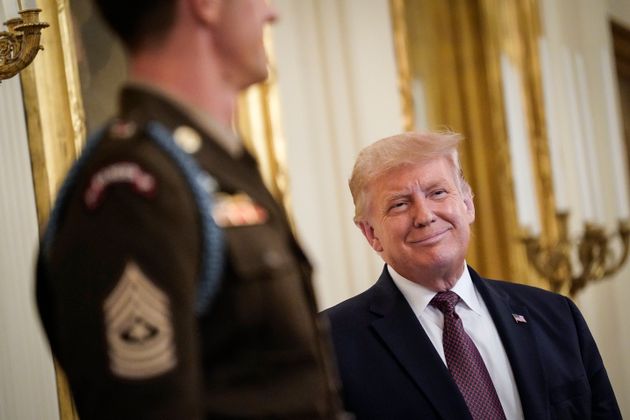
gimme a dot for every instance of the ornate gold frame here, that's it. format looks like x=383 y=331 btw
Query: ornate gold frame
x=56 y=125
x=54 y=110
x=459 y=55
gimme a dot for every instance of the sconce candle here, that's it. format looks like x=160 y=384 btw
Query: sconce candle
x=558 y=168
x=523 y=178
x=576 y=134
x=420 y=104
x=591 y=157
x=28 y=4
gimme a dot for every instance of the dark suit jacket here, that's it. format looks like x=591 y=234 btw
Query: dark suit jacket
x=390 y=369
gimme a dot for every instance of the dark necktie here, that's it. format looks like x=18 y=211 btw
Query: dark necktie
x=465 y=363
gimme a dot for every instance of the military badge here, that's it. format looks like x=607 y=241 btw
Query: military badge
x=122 y=172
x=237 y=210
x=138 y=327
x=187 y=139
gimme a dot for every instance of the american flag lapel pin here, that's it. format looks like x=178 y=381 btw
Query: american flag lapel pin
x=520 y=319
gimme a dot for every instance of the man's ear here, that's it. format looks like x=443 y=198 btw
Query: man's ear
x=470 y=207
x=207 y=11
x=368 y=232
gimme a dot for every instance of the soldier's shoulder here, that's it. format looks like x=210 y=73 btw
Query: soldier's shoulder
x=121 y=139
x=121 y=156
x=123 y=144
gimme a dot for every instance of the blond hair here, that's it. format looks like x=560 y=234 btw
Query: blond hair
x=402 y=149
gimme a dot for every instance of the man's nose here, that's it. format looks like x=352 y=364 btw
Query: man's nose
x=422 y=213
x=272 y=13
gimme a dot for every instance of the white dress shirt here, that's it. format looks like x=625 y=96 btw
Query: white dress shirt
x=478 y=325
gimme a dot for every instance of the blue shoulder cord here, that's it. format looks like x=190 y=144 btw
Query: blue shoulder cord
x=212 y=257
x=212 y=260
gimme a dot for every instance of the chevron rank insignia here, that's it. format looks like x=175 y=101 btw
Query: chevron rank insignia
x=237 y=210
x=138 y=327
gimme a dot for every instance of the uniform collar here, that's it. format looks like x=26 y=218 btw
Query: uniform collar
x=224 y=136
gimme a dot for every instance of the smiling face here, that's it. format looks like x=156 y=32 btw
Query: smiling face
x=418 y=219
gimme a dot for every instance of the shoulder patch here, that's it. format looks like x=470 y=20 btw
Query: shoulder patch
x=121 y=172
x=138 y=327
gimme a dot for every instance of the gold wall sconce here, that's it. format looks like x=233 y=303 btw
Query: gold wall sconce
x=568 y=265
x=20 y=43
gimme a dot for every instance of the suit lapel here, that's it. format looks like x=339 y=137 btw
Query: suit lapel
x=403 y=335
x=519 y=342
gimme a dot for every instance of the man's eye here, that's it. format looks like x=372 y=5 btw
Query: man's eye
x=438 y=193
x=398 y=205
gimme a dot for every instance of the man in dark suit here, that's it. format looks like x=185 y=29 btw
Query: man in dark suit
x=169 y=282
x=432 y=339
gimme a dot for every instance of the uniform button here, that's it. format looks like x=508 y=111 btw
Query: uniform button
x=187 y=139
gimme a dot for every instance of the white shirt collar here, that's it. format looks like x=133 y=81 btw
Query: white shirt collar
x=478 y=325
x=419 y=296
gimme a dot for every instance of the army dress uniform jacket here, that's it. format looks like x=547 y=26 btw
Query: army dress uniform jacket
x=118 y=284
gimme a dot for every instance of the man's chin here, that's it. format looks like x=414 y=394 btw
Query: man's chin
x=258 y=75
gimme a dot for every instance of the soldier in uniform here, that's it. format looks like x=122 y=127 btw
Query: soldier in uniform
x=169 y=283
